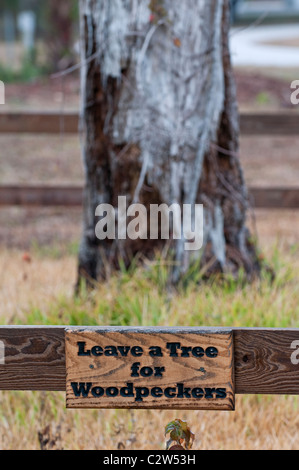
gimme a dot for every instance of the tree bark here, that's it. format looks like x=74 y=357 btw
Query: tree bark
x=160 y=124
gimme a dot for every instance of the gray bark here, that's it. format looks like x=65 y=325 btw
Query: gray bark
x=160 y=125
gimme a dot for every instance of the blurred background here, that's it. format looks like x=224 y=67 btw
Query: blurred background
x=39 y=40
x=37 y=37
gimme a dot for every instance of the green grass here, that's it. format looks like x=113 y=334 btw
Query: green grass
x=54 y=250
x=263 y=98
x=140 y=297
x=29 y=70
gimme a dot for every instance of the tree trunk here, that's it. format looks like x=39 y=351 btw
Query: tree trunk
x=160 y=125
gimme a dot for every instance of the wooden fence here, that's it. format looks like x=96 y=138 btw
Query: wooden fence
x=70 y=196
x=54 y=123
x=266 y=361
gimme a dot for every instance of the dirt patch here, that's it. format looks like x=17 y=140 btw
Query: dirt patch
x=38 y=159
x=53 y=229
x=47 y=93
x=55 y=232
x=269 y=161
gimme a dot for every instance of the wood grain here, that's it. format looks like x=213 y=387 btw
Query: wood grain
x=190 y=369
x=263 y=362
x=35 y=360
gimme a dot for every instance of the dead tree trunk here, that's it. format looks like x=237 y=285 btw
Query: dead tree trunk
x=160 y=124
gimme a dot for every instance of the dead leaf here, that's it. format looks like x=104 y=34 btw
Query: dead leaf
x=177 y=42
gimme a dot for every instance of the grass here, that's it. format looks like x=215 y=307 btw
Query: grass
x=139 y=296
x=28 y=70
x=26 y=73
x=40 y=291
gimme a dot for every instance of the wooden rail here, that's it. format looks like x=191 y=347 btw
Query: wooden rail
x=274 y=198
x=71 y=196
x=67 y=122
x=36 y=196
x=39 y=122
x=285 y=124
x=34 y=359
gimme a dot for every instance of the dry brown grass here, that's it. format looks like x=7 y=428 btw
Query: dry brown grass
x=259 y=423
x=32 y=285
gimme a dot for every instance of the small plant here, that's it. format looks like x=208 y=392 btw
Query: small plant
x=263 y=98
x=181 y=437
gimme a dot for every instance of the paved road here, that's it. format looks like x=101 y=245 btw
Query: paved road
x=247 y=46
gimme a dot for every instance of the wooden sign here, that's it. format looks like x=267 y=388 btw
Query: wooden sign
x=149 y=368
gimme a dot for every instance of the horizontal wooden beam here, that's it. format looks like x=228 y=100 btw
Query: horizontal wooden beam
x=34 y=359
x=39 y=122
x=71 y=196
x=274 y=198
x=66 y=196
x=283 y=124
x=68 y=122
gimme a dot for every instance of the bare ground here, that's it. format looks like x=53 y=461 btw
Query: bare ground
x=63 y=93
